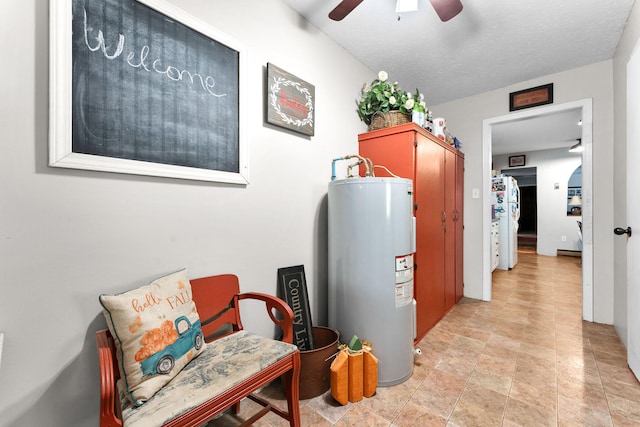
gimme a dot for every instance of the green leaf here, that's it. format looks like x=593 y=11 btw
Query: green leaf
x=355 y=344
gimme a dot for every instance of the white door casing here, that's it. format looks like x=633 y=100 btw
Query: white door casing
x=585 y=105
x=633 y=212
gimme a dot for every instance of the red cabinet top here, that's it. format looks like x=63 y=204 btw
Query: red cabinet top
x=405 y=133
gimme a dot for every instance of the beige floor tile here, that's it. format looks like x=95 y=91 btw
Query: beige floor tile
x=492 y=403
x=491 y=380
x=359 y=416
x=327 y=407
x=584 y=393
x=467 y=414
x=571 y=413
x=439 y=393
x=619 y=373
x=539 y=351
x=524 y=359
x=630 y=392
x=388 y=401
x=526 y=392
x=505 y=366
x=624 y=408
x=413 y=415
x=529 y=414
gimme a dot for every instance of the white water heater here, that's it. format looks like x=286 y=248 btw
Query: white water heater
x=371 y=246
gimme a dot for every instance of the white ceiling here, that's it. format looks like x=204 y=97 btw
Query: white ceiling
x=489 y=45
x=540 y=133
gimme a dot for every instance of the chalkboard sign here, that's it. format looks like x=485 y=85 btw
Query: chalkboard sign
x=146 y=89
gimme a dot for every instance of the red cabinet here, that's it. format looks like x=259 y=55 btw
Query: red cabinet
x=437 y=171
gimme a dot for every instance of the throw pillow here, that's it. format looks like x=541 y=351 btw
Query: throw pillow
x=156 y=330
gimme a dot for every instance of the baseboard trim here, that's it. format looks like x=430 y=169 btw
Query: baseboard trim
x=566 y=252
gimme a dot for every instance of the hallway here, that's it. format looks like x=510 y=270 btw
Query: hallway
x=525 y=358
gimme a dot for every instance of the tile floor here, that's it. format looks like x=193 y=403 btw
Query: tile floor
x=524 y=359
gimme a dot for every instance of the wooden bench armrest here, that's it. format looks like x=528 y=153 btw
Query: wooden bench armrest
x=108 y=376
x=279 y=305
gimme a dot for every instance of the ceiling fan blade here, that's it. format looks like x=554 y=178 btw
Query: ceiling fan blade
x=446 y=9
x=343 y=9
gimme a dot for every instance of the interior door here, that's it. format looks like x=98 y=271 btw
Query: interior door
x=633 y=211
x=430 y=223
x=459 y=190
x=450 y=229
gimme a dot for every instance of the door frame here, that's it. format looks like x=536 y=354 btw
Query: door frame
x=632 y=342
x=585 y=105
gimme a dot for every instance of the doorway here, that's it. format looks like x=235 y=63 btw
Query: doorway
x=585 y=106
x=528 y=223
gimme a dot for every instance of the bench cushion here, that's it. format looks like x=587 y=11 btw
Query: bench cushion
x=156 y=330
x=224 y=363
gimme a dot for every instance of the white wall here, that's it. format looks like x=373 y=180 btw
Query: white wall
x=464 y=120
x=67 y=235
x=625 y=47
x=552 y=166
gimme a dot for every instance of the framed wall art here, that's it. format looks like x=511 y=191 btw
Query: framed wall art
x=516 y=160
x=142 y=87
x=290 y=101
x=533 y=97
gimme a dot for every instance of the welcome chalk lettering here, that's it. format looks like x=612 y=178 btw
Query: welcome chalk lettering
x=142 y=61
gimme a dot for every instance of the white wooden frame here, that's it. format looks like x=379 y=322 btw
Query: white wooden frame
x=60 y=103
x=586 y=107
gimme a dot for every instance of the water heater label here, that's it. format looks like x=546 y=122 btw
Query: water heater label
x=404 y=262
x=404 y=280
x=404 y=294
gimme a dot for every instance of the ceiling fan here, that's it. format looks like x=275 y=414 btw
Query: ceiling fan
x=446 y=9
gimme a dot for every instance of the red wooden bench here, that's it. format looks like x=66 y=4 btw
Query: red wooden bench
x=222 y=380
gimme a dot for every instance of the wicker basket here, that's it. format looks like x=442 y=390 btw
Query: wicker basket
x=392 y=118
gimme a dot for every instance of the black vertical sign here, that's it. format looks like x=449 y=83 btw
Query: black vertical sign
x=294 y=288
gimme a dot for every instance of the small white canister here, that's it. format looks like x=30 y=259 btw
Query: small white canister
x=417 y=117
x=440 y=127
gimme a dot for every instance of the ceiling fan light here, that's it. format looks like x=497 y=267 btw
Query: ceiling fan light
x=406 y=6
x=446 y=9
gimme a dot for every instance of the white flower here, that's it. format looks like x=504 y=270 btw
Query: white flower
x=421 y=97
x=392 y=100
x=409 y=104
x=424 y=104
x=383 y=76
x=409 y=95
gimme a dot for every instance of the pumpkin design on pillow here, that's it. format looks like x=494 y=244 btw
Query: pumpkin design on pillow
x=163 y=346
x=156 y=331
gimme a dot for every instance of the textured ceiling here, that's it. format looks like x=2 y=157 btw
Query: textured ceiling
x=489 y=45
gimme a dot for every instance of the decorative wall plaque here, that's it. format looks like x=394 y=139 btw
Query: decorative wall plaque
x=290 y=101
x=539 y=95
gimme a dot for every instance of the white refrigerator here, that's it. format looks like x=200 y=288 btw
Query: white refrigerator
x=507 y=196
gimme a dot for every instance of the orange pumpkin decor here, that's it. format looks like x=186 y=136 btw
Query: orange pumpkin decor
x=354 y=372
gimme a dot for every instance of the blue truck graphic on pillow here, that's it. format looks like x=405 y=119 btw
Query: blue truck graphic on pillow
x=162 y=362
